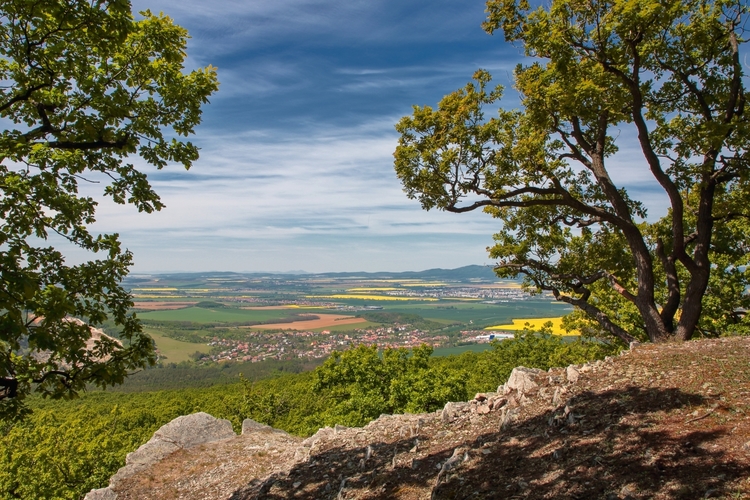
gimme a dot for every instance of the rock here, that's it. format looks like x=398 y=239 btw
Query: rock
x=523 y=379
x=497 y=402
x=557 y=397
x=483 y=409
x=250 y=425
x=191 y=430
x=480 y=397
x=572 y=374
x=183 y=432
x=101 y=494
x=634 y=344
x=151 y=452
x=451 y=411
x=509 y=416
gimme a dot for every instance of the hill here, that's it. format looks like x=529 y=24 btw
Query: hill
x=461 y=274
x=659 y=421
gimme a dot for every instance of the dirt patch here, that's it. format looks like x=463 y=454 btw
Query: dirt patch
x=323 y=321
x=162 y=306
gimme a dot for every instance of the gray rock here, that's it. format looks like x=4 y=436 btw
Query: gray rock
x=451 y=411
x=249 y=425
x=101 y=494
x=572 y=374
x=483 y=409
x=151 y=452
x=557 y=397
x=191 y=430
x=523 y=379
x=183 y=432
x=497 y=402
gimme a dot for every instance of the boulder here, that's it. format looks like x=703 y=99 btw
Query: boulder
x=523 y=379
x=191 y=430
x=249 y=425
x=183 y=432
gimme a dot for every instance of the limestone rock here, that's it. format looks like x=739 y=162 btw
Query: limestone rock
x=572 y=373
x=451 y=411
x=523 y=379
x=250 y=425
x=191 y=430
x=101 y=494
x=183 y=432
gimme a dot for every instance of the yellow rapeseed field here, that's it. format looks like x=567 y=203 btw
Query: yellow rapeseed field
x=424 y=284
x=369 y=297
x=377 y=289
x=161 y=289
x=536 y=323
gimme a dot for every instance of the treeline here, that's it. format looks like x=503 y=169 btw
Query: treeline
x=183 y=375
x=391 y=318
x=65 y=448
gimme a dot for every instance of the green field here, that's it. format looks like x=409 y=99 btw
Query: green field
x=482 y=315
x=222 y=315
x=175 y=351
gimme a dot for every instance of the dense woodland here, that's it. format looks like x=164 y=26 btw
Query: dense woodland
x=66 y=448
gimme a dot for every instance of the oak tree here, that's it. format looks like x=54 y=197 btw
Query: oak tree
x=642 y=90
x=86 y=89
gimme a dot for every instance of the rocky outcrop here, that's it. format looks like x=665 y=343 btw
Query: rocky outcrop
x=599 y=430
x=181 y=433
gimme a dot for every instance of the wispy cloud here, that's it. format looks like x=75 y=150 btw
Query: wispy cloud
x=296 y=167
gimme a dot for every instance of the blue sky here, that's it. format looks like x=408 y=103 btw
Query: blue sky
x=296 y=168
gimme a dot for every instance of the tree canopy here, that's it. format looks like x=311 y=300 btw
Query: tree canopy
x=86 y=90
x=654 y=87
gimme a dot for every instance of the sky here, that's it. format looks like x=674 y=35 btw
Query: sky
x=296 y=168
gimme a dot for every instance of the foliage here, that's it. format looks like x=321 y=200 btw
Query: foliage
x=86 y=88
x=662 y=79
x=173 y=376
x=393 y=317
x=209 y=304
x=533 y=350
x=364 y=383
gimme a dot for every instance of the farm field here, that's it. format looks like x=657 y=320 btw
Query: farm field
x=535 y=323
x=323 y=321
x=175 y=351
x=163 y=305
x=482 y=315
x=219 y=315
x=282 y=317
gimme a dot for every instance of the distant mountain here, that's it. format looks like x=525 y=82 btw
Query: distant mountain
x=466 y=273
x=462 y=274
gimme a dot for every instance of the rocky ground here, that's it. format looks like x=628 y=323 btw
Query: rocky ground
x=658 y=422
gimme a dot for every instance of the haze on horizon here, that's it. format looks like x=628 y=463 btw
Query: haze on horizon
x=296 y=167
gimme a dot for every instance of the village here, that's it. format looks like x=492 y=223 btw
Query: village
x=308 y=344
